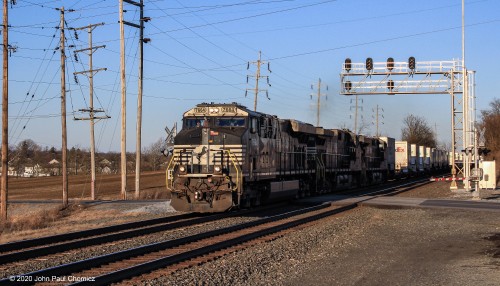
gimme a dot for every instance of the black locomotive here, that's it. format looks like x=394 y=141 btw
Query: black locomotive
x=227 y=156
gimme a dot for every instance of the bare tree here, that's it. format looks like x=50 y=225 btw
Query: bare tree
x=153 y=154
x=27 y=151
x=416 y=130
x=490 y=121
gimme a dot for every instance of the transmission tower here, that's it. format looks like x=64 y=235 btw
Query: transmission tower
x=377 y=116
x=257 y=76
x=90 y=74
x=356 y=106
x=319 y=94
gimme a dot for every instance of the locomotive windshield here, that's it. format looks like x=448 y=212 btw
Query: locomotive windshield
x=194 y=122
x=230 y=122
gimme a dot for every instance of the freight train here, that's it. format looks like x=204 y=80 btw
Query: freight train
x=227 y=156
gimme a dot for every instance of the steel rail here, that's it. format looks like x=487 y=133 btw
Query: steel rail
x=137 y=270
x=101 y=239
x=18 y=245
x=125 y=254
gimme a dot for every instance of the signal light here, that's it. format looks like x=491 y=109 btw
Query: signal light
x=411 y=63
x=390 y=64
x=347 y=64
x=369 y=64
x=390 y=85
x=348 y=85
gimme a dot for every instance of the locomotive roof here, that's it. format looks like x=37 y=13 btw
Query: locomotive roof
x=218 y=109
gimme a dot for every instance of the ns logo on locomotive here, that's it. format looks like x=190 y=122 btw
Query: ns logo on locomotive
x=227 y=156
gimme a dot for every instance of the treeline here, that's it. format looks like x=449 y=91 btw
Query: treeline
x=490 y=126
x=30 y=159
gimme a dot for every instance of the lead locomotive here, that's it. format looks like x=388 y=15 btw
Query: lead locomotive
x=227 y=156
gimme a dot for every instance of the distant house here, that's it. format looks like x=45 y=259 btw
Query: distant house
x=33 y=171
x=54 y=168
x=105 y=166
x=12 y=171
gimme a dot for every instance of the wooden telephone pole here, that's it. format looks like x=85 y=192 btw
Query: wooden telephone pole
x=257 y=76
x=90 y=72
x=123 y=108
x=139 y=98
x=5 y=114
x=63 y=116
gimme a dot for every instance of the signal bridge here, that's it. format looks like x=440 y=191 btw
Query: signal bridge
x=431 y=77
x=427 y=77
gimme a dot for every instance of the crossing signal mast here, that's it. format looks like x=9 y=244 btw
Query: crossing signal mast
x=427 y=77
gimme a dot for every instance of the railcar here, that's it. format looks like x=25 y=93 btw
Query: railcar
x=227 y=156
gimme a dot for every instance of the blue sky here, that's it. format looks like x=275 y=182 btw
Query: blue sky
x=199 y=52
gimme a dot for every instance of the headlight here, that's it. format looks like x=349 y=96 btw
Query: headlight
x=218 y=170
x=182 y=169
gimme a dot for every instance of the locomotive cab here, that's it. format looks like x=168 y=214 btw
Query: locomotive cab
x=205 y=171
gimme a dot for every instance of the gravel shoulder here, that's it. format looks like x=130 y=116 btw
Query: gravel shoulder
x=370 y=246
x=367 y=246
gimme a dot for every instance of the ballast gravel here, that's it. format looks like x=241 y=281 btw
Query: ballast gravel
x=93 y=251
x=366 y=246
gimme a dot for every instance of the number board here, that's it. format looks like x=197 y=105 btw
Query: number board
x=228 y=109
x=200 y=110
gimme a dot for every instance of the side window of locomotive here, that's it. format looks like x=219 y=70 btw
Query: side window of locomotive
x=193 y=122
x=230 y=122
x=263 y=127
x=253 y=125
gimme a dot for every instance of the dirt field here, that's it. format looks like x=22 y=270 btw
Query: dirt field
x=107 y=186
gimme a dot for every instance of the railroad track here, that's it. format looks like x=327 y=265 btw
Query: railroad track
x=179 y=253
x=38 y=247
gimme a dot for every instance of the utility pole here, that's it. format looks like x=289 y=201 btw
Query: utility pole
x=142 y=40
x=139 y=97
x=319 y=94
x=376 y=110
x=356 y=107
x=63 y=116
x=257 y=76
x=138 y=142
x=5 y=113
x=123 y=108
x=90 y=73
